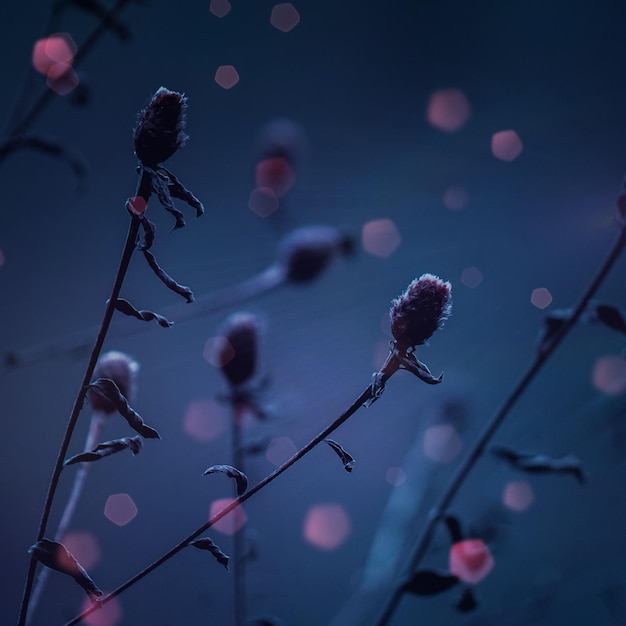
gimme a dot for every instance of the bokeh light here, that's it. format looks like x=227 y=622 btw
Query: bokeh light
x=279 y=450
x=455 y=198
x=83 y=546
x=381 y=351
x=62 y=78
x=442 y=443
x=219 y=8
x=262 y=201
x=284 y=17
x=609 y=375
x=470 y=560
x=395 y=476
x=506 y=145
x=380 y=237
x=218 y=351
x=541 y=297
x=518 y=495
x=327 y=526
x=205 y=420
x=52 y=50
x=108 y=614
x=120 y=509
x=276 y=174
x=226 y=76
x=137 y=205
x=233 y=521
x=2 y=259
x=471 y=277
x=448 y=109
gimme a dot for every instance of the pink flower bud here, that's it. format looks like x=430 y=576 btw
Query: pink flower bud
x=420 y=310
x=160 y=127
x=236 y=355
x=122 y=370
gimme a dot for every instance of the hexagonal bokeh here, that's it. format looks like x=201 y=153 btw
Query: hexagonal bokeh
x=442 y=443
x=541 y=297
x=83 y=546
x=506 y=145
x=279 y=450
x=231 y=522
x=58 y=48
x=380 y=237
x=276 y=173
x=395 y=476
x=518 y=495
x=609 y=375
x=120 y=509
x=470 y=560
x=448 y=110
x=262 y=201
x=108 y=614
x=205 y=420
x=219 y=8
x=455 y=198
x=471 y=277
x=284 y=17
x=326 y=526
x=226 y=76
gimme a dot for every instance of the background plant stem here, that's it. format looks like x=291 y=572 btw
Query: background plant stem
x=239 y=537
x=441 y=507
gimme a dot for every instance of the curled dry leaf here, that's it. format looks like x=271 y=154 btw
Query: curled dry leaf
x=206 y=544
x=347 y=459
x=240 y=478
x=109 y=390
x=124 y=306
x=107 y=448
x=166 y=279
x=429 y=583
x=454 y=528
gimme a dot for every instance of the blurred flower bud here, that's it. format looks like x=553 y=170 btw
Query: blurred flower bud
x=306 y=252
x=420 y=310
x=122 y=370
x=236 y=354
x=160 y=129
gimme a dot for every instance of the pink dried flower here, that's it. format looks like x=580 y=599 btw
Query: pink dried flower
x=160 y=129
x=122 y=370
x=236 y=356
x=420 y=310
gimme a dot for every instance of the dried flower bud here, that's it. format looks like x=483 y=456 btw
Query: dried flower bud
x=160 y=129
x=236 y=355
x=420 y=310
x=306 y=252
x=122 y=370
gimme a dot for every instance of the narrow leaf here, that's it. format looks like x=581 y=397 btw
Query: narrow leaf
x=467 y=602
x=206 y=544
x=429 y=583
x=606 y=314
x=124 y=306
x=149 y=231
x=160 y=188
x=56 y=556
x=167 y=280
x=409 y=362
x=240 y=478
x=454 y=528
x=541 y=463
x=178 y=190
x=347 y=460
x=109 y=390
x=552 y=324
x=107 y=448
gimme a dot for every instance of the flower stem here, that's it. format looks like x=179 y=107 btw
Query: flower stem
x=446 y=498
x=144 y=189
x=391 y=366
x=239 y=537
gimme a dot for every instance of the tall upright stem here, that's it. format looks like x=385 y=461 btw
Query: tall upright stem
x=239 y=536
x=446 y=498
x=144 y=189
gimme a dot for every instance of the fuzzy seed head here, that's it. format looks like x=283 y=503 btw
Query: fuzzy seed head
x=122 y=370
x=306 y=252
x=160 y=129
x=421 y=309
x=236 y=356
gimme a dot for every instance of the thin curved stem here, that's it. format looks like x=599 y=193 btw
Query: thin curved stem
x=391 y=365
x=144 y=189
x=239 y=537
x=446 y=498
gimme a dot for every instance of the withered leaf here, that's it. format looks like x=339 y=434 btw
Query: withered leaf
x=166 y=279
x=56 y=556
x=541 y=463
x=429 y=583
x=106 y=449
x=149 y=232
x=240 y=478
x=206 y=544
x=124 y=306
x=552 y=324
x=178 y=190
x=454 y=528
x=160 y=188
x=347 y=460
x=409 y=362
x=109 y=390
x=606 y=314
x=467 y=602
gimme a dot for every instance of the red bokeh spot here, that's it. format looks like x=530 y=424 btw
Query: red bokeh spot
x=218 y=351
x=279 y=450
x=284 y=17
x=448 y=110
x=226 y=76
x=541 y=297
x=137 y=205
x=395 y=476
x=326 y=526
x=48 y=52
x=84 y=547
x=518 y=495
x=219 y=8
x=380 y=237
x=233 y=521
x=276 y=174
x=470 y=560
x=471 y=277
x=455 y=198
x=609 y=375
x=108 y=614
x=262 y=201
x=506 y=145
x=120 y=509
x=205 y=420
x=442 y=443
x=62 y=78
